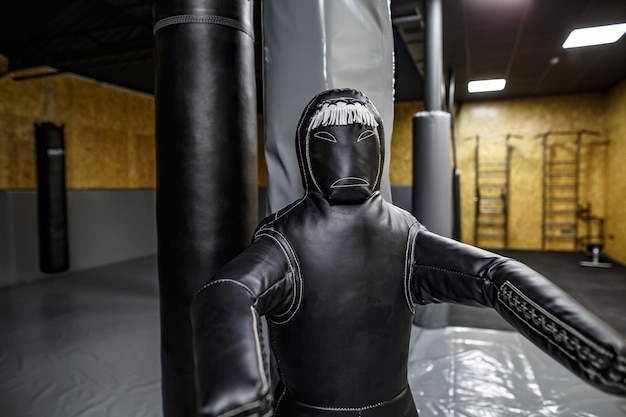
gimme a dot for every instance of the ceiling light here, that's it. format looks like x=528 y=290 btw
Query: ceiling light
x=597 y=35
x=480 y=86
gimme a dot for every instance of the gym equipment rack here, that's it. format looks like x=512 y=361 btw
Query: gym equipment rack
x=561 y=208
x=492 y=189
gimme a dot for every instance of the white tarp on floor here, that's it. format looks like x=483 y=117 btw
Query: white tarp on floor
x=463 y=372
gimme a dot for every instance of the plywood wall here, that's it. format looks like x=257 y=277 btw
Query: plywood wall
x=401 y=166
x=17 y=152
x=109 y=132
x=109 y=136
x=527 y=118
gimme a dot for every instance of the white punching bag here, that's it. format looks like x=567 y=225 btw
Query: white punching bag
x=311 y=46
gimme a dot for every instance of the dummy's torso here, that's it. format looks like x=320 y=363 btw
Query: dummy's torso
x=346 y=347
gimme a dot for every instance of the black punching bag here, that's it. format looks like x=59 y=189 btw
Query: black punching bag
x=206 y=165
x=51 y=198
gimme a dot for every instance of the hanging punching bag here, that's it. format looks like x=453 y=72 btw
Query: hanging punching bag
x=206 y=165
x=311 y=46
x=51 y=198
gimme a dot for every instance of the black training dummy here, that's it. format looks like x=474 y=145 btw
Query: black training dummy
x=338 y=274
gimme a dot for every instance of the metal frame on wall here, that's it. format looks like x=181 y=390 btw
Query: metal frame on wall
x=561 y=206
x=492 y=178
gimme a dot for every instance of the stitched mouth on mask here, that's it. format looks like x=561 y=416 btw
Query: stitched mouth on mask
x=347 y=182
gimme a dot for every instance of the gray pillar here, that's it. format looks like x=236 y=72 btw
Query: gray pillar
x=433 y=56
x=206 y=165
x=432 y=168
x=432 y=171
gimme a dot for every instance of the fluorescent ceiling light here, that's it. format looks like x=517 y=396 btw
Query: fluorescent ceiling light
x=597 y=35
x=480 y=86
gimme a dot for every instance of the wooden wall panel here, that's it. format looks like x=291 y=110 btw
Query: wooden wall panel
x=17 y=153
x=109 y=132
x=401 y=166
x=104 y=163
x=529 y=117
x=109 y=135
x=141 y=161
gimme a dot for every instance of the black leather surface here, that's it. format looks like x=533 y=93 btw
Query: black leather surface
x=51 y=198
x=206 y=165
x=338 y=277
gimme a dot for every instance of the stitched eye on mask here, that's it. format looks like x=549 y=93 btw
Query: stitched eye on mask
x=328 y=137
x=366 y=135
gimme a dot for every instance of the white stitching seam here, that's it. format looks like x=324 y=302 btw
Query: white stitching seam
x=257 y=339
x=359 y=409
x=307 y=139
x=309 y=166
x=228 y=281
x=245 y=407
x=280 y=214
x=573 y=332
x=260 y=359
x=291 y=269
x=551 y=317
x=280 y=398
x=408 y=271
x=251 y=293
x=591 y=344
x=333 y=185
x=299 y=150
x=298 y=278
x=204 y=19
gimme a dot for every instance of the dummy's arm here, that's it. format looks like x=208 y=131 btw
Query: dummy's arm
x=448 y=271
x=232 y=375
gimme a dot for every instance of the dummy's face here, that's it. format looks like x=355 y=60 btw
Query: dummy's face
x=345 y=161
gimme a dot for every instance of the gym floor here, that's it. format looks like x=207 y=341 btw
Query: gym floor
x=87 y=344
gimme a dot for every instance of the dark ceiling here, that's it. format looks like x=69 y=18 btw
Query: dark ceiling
x=519 y=40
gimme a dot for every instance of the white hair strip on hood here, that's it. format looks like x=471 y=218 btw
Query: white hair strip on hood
x=340 y=113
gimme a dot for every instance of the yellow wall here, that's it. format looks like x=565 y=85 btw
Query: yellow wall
x=401 y=168
x=602 y=170
x=528 y=118
x=109 y=132
x=109 y=135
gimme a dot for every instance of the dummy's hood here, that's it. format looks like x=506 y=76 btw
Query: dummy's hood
x=340 y=146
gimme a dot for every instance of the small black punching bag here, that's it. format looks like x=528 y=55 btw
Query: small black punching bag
x=51 y=198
